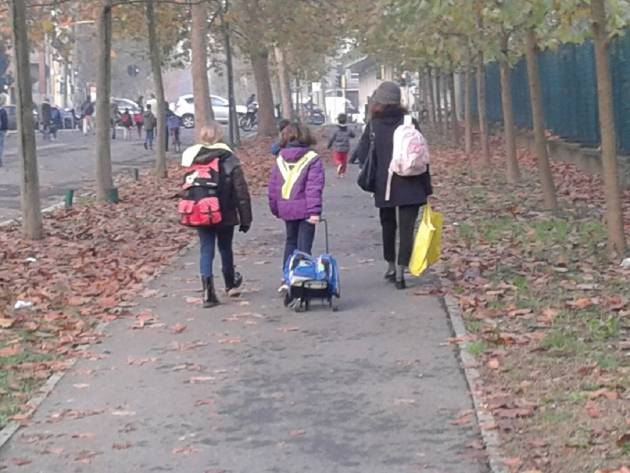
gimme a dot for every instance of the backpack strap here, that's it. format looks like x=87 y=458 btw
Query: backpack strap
x=291 y=172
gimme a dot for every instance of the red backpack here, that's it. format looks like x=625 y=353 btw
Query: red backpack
x=200 y=206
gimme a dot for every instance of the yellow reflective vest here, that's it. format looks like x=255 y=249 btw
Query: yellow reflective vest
x=291 y=172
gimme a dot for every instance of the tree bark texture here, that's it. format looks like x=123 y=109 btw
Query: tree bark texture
x=538 y=119
x=612 y=193
x=513 y=173
x=266 y=119
x=481 y=111
x=468 y=135
x=454 y=119
x=199 y=58
x=104 y=181
x=156 y=69
x=29 y=183
x=431 y=105
x=285 y=83
x=438 y=101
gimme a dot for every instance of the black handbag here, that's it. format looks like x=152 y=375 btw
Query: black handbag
x=367 y=174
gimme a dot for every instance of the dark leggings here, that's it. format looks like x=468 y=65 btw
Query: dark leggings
x=406 y=222
x=300 y=236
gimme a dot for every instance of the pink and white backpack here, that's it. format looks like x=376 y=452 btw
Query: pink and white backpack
x=410 y=156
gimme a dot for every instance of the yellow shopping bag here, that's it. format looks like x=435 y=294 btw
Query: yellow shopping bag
x=427 y=246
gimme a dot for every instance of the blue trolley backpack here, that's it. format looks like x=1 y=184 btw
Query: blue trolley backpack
x=311 y=277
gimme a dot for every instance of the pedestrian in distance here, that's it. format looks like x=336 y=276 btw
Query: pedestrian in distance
x=340 y=143
x=56 y=122
x=114 y=117
x=4 y=125
x=138 y=119
x=399 y=212
x=87 y=115
x=150 y=123
x=127 y=122
x=45 y=117
x=213 y=161
x=296 y=187
x=167 y=113
x=174 y=123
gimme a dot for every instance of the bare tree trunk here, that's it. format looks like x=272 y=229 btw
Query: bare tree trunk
x=266 y=119
x=612 y=193
x=199 y=58
x=454 y=119
x=513 y=173
x=438 y=101
x=285 y=83
x=481 y=111
x=431 y=106
x=535 y=97
x=425 y=94
x=468 y=136
x=156 y=69
x=29 y=183
x=104 y=181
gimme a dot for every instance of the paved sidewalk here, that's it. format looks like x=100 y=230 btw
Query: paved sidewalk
x=249 y=387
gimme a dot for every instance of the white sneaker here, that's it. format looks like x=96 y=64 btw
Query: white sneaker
x=284 y=287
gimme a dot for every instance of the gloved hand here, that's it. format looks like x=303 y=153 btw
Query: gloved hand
x=243 y=228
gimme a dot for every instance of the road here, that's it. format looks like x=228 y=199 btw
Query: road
x=250 y=387
x=69 y=163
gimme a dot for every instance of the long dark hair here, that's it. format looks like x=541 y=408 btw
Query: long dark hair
x=380 y=110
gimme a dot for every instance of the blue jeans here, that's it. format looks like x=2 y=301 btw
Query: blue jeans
x=148 y=140
x=300 y=236
x=209 y=236
x=3 y=134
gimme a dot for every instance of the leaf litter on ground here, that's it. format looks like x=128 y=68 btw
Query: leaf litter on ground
x=547 y=312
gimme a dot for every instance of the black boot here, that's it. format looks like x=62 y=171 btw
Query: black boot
x=209 y=296
x=233 y=280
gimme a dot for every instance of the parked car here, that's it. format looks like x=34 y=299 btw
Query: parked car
x=185 y=108
x=12 y=116
x=124 y=104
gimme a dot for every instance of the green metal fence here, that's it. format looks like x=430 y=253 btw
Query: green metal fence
x=569 y=88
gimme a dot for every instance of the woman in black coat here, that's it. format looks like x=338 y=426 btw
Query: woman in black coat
x=408 y=194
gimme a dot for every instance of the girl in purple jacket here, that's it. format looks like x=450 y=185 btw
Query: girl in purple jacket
x=296 y=186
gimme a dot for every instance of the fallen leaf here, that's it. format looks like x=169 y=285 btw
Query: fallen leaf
x=178 y=328
x=592 y=410
x=289 y=329
x=6 y=323
x=121 y=446
x=200 y=379
x=21 y=461
x=494 y=364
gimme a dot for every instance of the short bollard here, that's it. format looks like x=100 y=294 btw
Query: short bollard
x=136 y=174
x=112 y=195
x=69 y=199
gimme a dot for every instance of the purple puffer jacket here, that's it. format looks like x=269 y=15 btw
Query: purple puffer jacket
x=306 y=195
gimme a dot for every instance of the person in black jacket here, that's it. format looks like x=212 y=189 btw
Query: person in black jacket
x=236 y=210
x=4 y=125
x=408 y=194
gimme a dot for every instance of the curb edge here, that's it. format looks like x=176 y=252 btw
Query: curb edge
x=485 y=419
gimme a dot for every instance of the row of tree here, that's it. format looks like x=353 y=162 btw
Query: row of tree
x=298 y=39
x=442 y=37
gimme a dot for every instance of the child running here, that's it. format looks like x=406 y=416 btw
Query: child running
x=295 y=189
x=340 y=142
